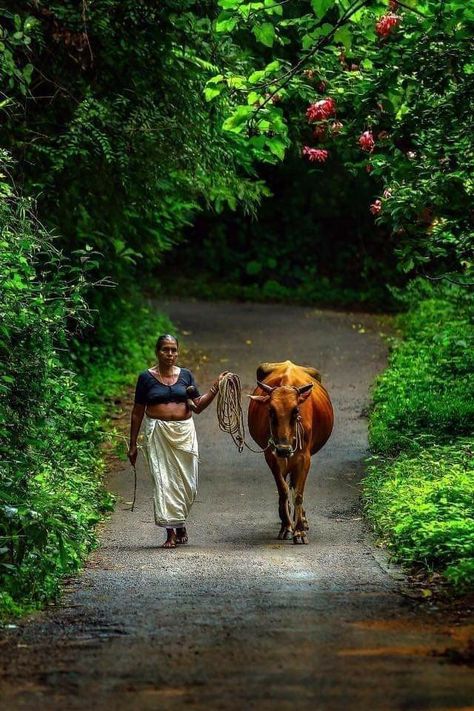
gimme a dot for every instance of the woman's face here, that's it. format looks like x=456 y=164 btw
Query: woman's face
x=168 y=353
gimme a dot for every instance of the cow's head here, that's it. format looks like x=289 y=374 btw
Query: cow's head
x=283 y=411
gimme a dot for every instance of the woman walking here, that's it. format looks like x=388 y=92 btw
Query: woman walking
x=167 y=395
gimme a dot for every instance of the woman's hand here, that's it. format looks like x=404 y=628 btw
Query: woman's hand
x=133 y=454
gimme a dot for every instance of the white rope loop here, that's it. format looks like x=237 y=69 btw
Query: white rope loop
x=229 y=409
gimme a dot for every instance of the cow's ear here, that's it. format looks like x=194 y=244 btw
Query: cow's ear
x=259 y=398
x=304 y=392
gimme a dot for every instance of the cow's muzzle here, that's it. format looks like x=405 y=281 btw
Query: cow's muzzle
x=284 y=450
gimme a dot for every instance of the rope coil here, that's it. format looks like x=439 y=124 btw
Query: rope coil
x=230 y=415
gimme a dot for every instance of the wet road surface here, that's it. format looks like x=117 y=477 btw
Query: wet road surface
x=238 y=619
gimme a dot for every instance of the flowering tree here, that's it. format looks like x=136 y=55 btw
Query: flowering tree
x=386 y=86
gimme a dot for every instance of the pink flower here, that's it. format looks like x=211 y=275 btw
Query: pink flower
x=386 y=24
x=315 y=155
x=376 y=207
x=322 y=109
x=387 y=193
x=336 y=128
x=369 y=168
x=366 y=141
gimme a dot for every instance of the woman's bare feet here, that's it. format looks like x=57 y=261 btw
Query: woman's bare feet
x=171 y=539
x=181 y=535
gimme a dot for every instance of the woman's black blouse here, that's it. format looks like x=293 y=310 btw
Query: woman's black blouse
x=151 y=391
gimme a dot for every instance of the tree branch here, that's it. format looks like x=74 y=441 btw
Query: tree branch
x=286 y=78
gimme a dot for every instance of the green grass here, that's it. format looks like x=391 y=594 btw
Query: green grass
x=419 y=490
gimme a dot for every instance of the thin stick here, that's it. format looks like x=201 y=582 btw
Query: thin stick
x=134 y=487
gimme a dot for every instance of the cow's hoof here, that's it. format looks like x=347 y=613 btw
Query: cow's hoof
x=305 y=525
x=300 y=537
x=285 y=534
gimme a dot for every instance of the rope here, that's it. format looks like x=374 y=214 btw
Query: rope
x=230 y=415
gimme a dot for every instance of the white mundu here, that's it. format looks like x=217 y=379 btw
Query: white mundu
x=171 y=450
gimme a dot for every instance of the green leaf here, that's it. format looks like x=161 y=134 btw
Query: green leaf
x=253 y=97
x=210 y=92
x=261 y=73
x=264 y=33
x=344 y=36
x=323 y=31
x=321 y=7
x=237 y=122
x=256 y=76
x=277 y=147
x=215 y=80
x=225 y=23
x=272 y=8
x=236 y=82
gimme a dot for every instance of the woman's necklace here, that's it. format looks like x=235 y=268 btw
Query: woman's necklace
x=162 y=377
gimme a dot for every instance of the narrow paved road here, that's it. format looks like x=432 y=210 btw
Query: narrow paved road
x=237 y=619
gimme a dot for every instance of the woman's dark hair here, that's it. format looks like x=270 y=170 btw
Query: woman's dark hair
x=162 y=339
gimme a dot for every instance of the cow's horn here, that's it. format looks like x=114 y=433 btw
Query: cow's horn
x=304 y=388
x=267 y=388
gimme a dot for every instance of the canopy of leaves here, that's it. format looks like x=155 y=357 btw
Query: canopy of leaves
x=107 y=114
x=400 y=71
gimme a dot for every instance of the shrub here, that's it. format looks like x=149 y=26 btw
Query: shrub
x=419 y=491
x=427 y=391
x=422 y=503
x=50 y=475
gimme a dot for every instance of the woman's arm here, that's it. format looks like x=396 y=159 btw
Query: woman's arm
x=136 y=421
x=200 y=403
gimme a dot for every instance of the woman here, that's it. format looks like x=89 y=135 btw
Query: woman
x=167 y=395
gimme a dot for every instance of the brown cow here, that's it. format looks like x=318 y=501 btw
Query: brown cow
x=291 y=417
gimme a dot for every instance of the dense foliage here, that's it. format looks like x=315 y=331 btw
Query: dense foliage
x=420 y=487
x=50 y=488
x=385 y=89
x=111 y=125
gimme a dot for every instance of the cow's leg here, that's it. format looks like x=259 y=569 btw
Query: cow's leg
x=278 y=467
x=298 y=480
x=305 y=521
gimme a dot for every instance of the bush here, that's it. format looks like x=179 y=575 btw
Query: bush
x=427 y=391
x=419 y=490
x=50 y=476
x=423 y=505
x=51 y=488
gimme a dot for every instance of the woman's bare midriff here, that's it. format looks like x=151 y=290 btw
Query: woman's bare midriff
x=171 y=411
